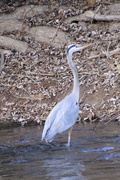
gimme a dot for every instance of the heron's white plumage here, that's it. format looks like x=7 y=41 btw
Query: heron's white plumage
x=62 y=117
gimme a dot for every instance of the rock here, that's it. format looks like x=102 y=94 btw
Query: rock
x=3 y=53
x=86 y=16
x=72 y=19
x=29 y=11
x=12 y=25
x=24 y=11
x=49 y=35
x=10 y=22
x=12 y=44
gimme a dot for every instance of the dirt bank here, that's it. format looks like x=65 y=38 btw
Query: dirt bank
x=36 y=77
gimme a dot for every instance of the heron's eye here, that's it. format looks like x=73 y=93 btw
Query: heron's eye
x=76 y=46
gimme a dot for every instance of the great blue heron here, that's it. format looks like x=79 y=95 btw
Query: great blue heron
x=64 y=115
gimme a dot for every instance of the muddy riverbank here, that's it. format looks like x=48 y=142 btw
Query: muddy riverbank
x=34 y=71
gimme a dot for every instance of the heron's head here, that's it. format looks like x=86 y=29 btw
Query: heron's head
x=75 y=47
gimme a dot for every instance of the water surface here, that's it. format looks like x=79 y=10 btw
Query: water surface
x=93 y=155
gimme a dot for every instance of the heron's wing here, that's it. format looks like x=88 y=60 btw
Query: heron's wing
x=62 y=117
x=67 y=115
x=50 y=119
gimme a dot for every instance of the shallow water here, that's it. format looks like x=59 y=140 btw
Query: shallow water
x=93 y=155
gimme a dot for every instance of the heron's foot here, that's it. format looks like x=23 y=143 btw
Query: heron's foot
x=67 y=144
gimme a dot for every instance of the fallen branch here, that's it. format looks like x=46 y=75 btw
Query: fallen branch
x=94 y=57
x=90 y=15
x=106 y=53
x=31 y=97
x=110 y=53
x=41 y=74
x=13 y=44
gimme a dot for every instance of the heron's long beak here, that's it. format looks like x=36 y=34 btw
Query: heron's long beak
x=82 y=46
x=85 y=45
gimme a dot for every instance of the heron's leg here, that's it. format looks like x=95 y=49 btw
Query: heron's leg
x=69 y=135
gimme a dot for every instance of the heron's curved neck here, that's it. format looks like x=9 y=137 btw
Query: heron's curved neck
x=76 y=87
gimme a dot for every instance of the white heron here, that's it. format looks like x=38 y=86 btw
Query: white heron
x=64 y=115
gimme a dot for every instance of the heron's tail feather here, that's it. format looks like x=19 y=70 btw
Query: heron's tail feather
x=48 y=137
